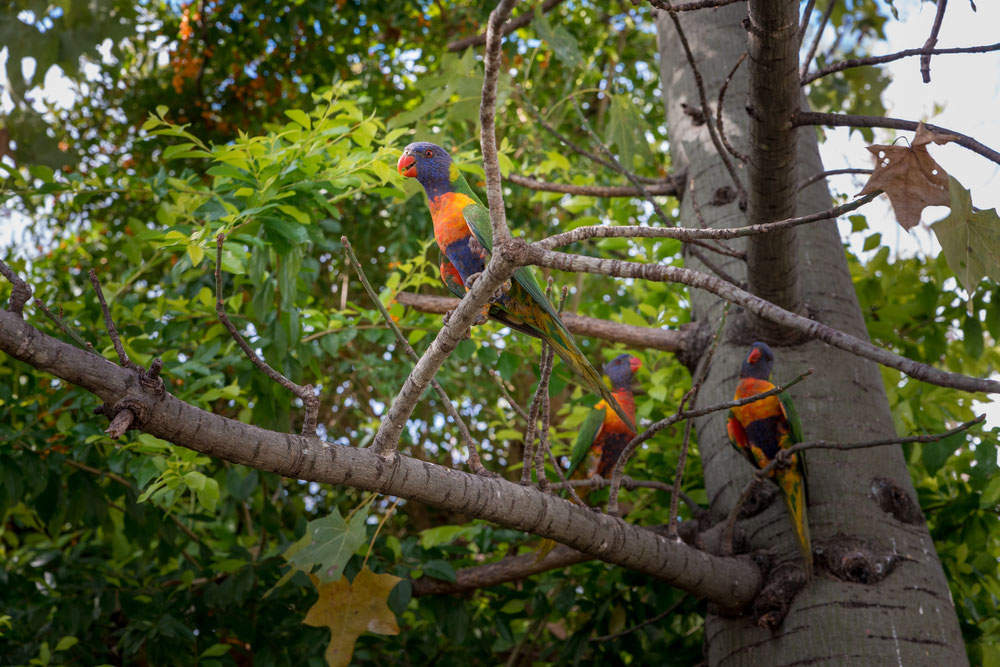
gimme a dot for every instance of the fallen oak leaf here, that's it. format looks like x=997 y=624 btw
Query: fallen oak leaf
x=909 y=176
x=970 y=239
x=350 y=609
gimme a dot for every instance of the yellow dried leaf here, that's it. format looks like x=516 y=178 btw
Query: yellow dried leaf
x=349 y=609
x=909 y=176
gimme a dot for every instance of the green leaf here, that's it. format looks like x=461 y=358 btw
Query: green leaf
x=935 y=454
x=563 y=43
x=439 y=569
x=66 y=643
x=216 y=650
x=300 y=117
x=970 y=240
x=332 y=542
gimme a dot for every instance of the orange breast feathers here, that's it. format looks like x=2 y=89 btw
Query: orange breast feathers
x=449 y=223
x=761 y=409
x=612 y=422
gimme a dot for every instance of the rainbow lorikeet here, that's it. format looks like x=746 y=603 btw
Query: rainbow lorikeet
x=603 y=435
x=464 y=235
x=759 y=430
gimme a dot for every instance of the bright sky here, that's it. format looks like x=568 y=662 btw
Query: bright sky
x=965 y=88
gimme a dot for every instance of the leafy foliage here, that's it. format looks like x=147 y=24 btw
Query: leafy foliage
x=280 y=129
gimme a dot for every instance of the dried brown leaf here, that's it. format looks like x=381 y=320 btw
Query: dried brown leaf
x=349 y=609
x=909 y=176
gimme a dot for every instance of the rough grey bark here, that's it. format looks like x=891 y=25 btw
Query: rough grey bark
x=908 y=618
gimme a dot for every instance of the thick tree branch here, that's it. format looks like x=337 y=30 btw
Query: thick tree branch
x=512 y=25
x=851 y=120
x=629 y=334
x=878 y=60
x=759 y=307
x=730 y=582
x=773 y=259
x=664 y=188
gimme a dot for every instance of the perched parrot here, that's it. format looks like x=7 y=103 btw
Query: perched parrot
x=464 y=235
x=603 y=434
x=761 y=428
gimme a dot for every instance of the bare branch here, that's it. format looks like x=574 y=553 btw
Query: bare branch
x=742 y=157
x=512 y=25
x=304 y=392
x=487 y=114
x=58 y=321
x=831 y=4
x=806 y=15
x=20 y=291
x=692 y=399
x=730 y=582
x=109 y=324
x=475 y=464
x=691 y=6
x=688 y=235
x=878 y=60
x=715 y=268
x=664 y=188
x=656 y=619
x=925 y=58
x=498 y=381
x=513 y=568
x=830 y=172
x=760 y=307
x=629 y=334
x=851 y=120
x=703 y=100
x=540 y=406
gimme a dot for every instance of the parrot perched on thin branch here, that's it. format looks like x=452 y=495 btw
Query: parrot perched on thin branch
x=464 y=235
x=759 y=430
x=603 y=435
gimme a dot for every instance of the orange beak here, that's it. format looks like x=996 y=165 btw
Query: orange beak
x=407 y=165
x=754 y=356
x=634 y=364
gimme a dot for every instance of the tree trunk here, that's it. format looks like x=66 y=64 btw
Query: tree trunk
x=907 y=618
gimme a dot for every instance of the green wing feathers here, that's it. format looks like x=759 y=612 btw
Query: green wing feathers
x=589 y=429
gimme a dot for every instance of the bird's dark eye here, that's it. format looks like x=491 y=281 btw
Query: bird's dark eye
x=429 y=153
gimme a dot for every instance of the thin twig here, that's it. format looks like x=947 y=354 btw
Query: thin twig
x=687 y=235
x=109 y=324
x=512 y=25
x=715 y=268
x=692 y=399
x=819 y=33
x=925 y=58
x=830 y=172
x=742 y=157
x=907 y=53
x=707 y=110
x=664 y=188
x=63 y=326
x=304 y=392
x=475 y=464
x=597 y=482
x=487 y=121
x=498 y=381
x=656 y=619
x=806 y=14
x=853 y=120
x=20 y=291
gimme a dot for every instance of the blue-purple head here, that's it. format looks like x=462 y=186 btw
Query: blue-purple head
x=758 y=363
x=622 y=370
x=428 y=163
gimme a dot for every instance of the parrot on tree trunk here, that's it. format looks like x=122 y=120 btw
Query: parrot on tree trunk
x=762 y=428
x=464 y=235
x=603 y=435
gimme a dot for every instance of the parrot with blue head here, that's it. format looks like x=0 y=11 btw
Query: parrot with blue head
x=761 y=429
x=464 y=235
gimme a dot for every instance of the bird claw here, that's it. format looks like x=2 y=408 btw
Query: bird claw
x=471 y=280
x=784 y=458
x=503 y=289
x=476 y=247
